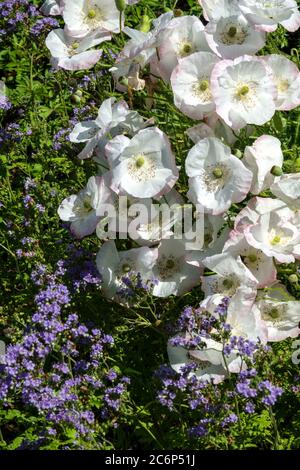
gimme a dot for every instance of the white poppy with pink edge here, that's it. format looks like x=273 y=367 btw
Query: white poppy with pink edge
x=217 y=178
x=260 y=265
x=265 y=15
x=143 y=166
x=82 y=209
x=73 y=54
x=232 y=279
x=182 y=37
x=287 y=79
x=172 y=273
x=83 y=17
x=244 y=91
x=275 y=235
x=190 y=81
x=287 y=188
x=232 y=37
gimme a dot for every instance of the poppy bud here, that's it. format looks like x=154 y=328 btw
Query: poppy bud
x=276 y=170
x=121 y=5
x=75 y=99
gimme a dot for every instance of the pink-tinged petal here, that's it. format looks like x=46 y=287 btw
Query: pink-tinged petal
x=293 y=23
x=244 y=91
x=83 y=227
x=82 y=61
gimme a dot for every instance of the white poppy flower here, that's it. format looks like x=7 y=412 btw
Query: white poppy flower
x=244 y=321
x=217 y=178
x=287 y=188
x=232 y=279
x=261 y=158
x=287 y=79
x=143 y=166
x=83 y=17
x=232 y=37
x=213 y=10
x=190 y=82
x=261 y=266
x=182 y=37
x=172 y=274
x=113 y=118
x=266 y=14
x=279 y=311
x=71 y=54
x=53 y=7
x=244 y=91
x=81 y=209
x=210 y=360
x=275 y=235
x=113 y=266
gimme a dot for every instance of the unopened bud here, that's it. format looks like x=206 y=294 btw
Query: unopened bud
x=276 y=171
x=121 y=5
x=75 y=99
x=178 y=12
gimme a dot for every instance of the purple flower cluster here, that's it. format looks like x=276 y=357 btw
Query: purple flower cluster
x=12 y=132
x=245 y=347
x=15 y=12
x=58 y=367
x=271 y=392
x=133 y=286
x=175 y=384
x=44 y=25
x=198 y=396
x=250 y=387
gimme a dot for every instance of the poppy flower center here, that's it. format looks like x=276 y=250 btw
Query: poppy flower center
x=243 y=91
x=185 y=49
x=232 y=31
x=201 y=90
x=170 y=264
x=140 y=161
x=203 y=85
x=282 y=85
x=276 y=240
x=274 y=313
x=233 y=34
x=228 y=283
x=218 y=172
x=91 y=14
